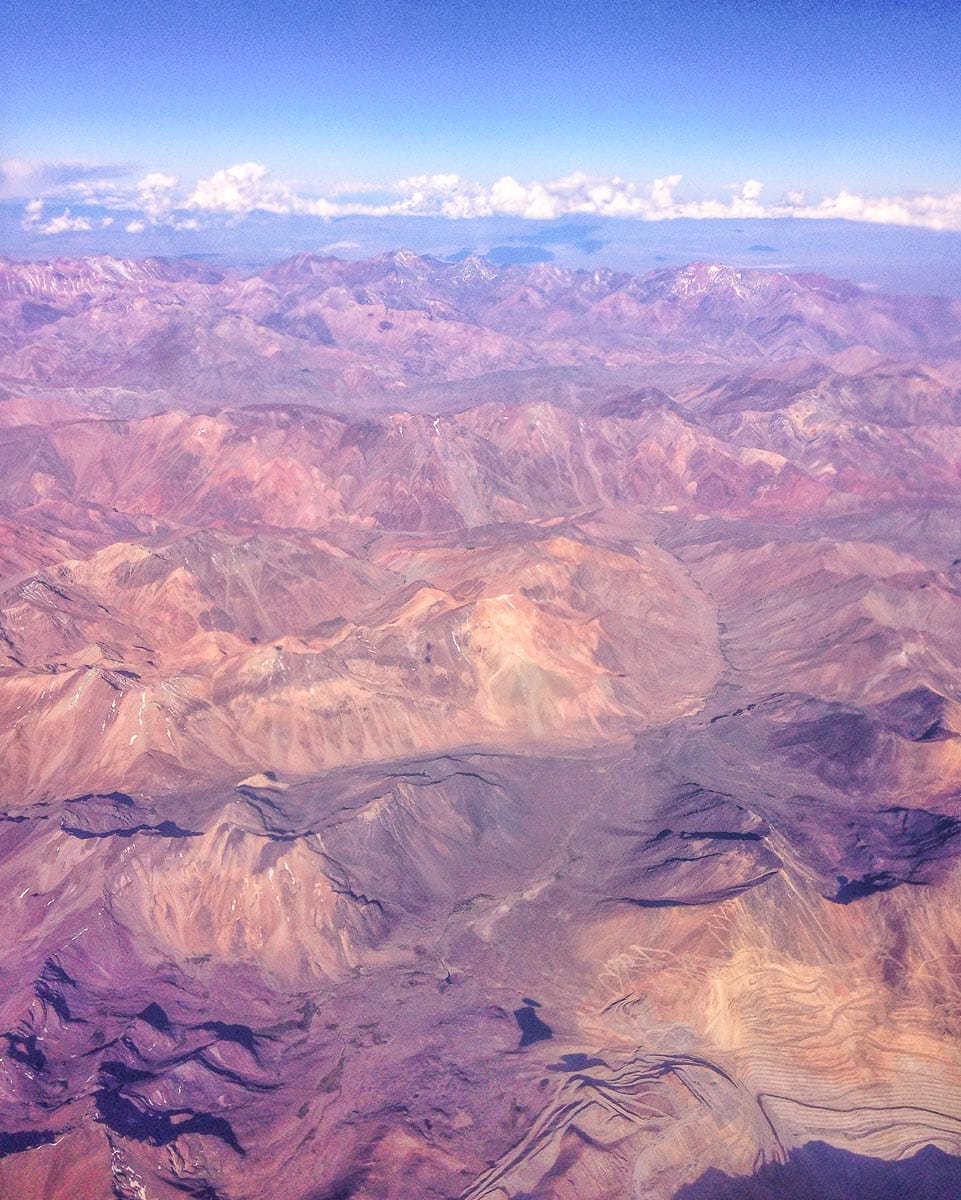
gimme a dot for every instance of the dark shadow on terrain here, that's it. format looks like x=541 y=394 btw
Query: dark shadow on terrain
x=243 y=1035
x=154 y=1015
x=159 y=1128
x=25 y=1050
x=857 y=889
x=168 y=829
x=532 y=1028
x=116 y=1074
x=576 y=1062
x=14 y=1143
x=346 y=1187
x=821 y=1172
x=120 y=799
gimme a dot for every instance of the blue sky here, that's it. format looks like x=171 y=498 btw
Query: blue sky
x=737 y=109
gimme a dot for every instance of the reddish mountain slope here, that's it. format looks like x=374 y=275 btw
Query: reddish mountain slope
x=546 y=786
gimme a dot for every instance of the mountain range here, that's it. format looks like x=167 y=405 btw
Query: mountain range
x=475 y=732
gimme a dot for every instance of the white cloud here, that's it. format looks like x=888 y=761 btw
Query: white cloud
x=575 y=194
x=662 y=192
x=237 y=191
x=927 y=211
x=342 y=245
x=244 y=188
x=155 y=194
x=65 y=223
x=20 y=177
x=32 y=212
x=241 y=190
x=530 y=200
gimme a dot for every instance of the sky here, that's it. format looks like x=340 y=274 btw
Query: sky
x=125 y=121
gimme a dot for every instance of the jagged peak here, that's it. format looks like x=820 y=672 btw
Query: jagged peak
x=473 y=268
x=405 y=259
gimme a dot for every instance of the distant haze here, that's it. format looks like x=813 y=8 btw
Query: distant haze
x=889 y=258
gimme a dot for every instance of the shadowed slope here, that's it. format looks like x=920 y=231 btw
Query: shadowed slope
x=819 y=1172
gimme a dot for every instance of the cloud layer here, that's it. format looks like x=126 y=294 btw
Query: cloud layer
x=21 y=178
x=236 y=192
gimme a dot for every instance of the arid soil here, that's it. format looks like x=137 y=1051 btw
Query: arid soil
x=474 y=733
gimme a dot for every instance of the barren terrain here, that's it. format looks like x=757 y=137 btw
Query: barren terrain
x=476 y=733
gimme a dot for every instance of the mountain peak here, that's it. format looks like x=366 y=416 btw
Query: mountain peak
x=473 y=269
x=406 y=259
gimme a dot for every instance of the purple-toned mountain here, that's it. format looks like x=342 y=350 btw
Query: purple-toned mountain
x=126 y=338
x=475 y=733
